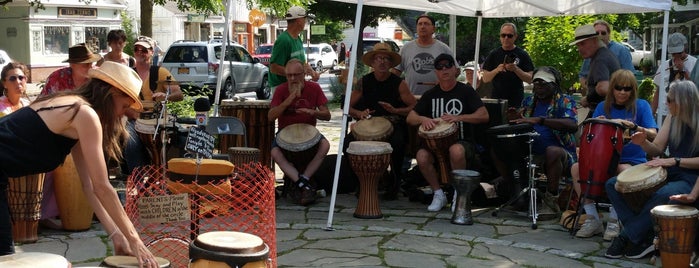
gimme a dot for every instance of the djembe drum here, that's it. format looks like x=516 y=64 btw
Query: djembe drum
x=601 y=143
x=73 y=206
x=209 y=177
x=299 y=144
x=226 y=249
x=464 y=183
x=369 y=160
x=33 y=260
x=151 y=140
x=636 y=184
x=373 y=129
x=24 y=199
x=130 y=262
x=243 y=155
x=676 y=226
x=438 y=140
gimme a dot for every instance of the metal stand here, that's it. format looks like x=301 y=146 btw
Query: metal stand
x=531 y=188
x=163 y=131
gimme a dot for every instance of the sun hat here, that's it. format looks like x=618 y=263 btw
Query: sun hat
x=676 y=43
x=121 y=77
x=584 y=32
x=144 y=41
x=296 y=12
x=383 y=48
x=81 y=54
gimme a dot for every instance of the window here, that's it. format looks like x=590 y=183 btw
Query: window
x=56 y=39
x=96 y=39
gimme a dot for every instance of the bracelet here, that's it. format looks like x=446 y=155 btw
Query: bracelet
x=634 y=128
x=113 y=234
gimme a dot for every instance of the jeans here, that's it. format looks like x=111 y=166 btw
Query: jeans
x=134 y=152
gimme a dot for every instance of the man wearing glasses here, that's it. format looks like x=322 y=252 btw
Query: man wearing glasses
x=623 y=55
x=290 y=46
x=454 y=102
x=679 y=66
x=507 y=67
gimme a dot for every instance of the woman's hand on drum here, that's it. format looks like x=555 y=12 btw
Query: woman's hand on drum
x=661 y=162
x=145 y=257
x=684 y=198
x=121 y=245
x=639 y=138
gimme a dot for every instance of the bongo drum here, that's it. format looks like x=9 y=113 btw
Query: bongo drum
x=438 y=140
x=510 y=143
x=226 y=249
x=34 y=260
x=129 y=262
x=676 y=226
x=464 y=183
x=76 y=212
x=636 y=184
x=243 y=155
x=260 y=131
x=600 y=149
x=299 y=144
x=373 y=129
x=24 y=199
x=369 y=160
x=146 y=131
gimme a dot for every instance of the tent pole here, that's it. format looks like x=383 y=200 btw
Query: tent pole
x=662 y=109
x=478 y=48
x=221 y=63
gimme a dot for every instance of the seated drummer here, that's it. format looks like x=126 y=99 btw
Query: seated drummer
x=299 y=101
x=382 y=93
x=134 y=152
x=554 y=116
x=678 y=135
x=454 y=102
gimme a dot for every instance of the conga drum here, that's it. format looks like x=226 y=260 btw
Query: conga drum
x=34 y=260
x=76 y=212
x=130 y=262
x=299 y=144
x=226 y=249
x=24 y=199
x=438 y=140
x=601 y=142
x=636 y=184
x=151 y=140
x=676 y=226
x=464 y=183
x=373 y=129
x=369 y=160
x=260 y=131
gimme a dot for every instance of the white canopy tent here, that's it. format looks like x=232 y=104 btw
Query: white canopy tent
x=496 y=9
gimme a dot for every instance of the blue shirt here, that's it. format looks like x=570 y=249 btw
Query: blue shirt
x=631 y=153
x=623 y=55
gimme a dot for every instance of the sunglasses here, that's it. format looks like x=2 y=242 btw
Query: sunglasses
x=142 y=50
x=442 y=66
x=602 y=33
x=14 y=78
x=620 y=88
x=507 y=35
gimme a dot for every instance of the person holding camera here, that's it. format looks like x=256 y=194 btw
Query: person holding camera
x=507 y=67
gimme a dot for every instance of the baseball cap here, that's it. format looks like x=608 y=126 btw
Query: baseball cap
x=471 y=65
x=544 y=74
x=296 y=12
x=144 y=41
x=676 y=43
x=443 y=57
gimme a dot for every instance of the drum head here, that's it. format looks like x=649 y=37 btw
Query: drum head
x=130 y=262
x=602 y=121
x=674 y=211
x=298 y=137
x=372 y=128
x=640 y=177
x=33 y=259
x=510 y=129
x=442 y=129
x=369 y=148
x=230 y=242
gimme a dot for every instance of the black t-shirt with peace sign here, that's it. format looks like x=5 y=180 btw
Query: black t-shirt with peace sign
x=462 y=99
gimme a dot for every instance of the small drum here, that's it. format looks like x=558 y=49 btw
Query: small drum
x=438 y=140
x=243 y=155
x=369 y=160
x=373 y=129
x=146 y=132
x=24 y=199
x=676 y=226
x=73 y=206
x=510 y=142
x=34 y=260
x=299 y=144
x=129 y=262
x=226 y=249
x=464 y=182
x=600 y=150
x=636 y=184
x=211 y=176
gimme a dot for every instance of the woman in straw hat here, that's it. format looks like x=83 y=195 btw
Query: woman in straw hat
x=86 y=123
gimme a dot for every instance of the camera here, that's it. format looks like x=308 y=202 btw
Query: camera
x=509 y=58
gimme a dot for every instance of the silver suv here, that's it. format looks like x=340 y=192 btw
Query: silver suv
x=196 y=65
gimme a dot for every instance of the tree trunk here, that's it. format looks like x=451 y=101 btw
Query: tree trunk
x=146 y=18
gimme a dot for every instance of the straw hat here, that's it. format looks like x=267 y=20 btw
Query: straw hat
x=383 y=48
x=584 y=32
x=121 y=77
x=81 y=54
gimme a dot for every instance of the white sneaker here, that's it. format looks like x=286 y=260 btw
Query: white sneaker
x=590 y=228
x=612 y=230
x=438 y=202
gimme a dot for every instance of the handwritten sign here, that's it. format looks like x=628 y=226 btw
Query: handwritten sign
x=200 y=142
x=164 y=208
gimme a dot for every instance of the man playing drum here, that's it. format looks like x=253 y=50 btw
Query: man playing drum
x=453 y=102
x=678 y=135
x=382 y=93
x=554 y=117
x=299 y=101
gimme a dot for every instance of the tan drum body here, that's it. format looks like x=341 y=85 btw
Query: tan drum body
x=438 y=140
x=226 y=249
x=260 y=131
x=213 y=176
x=243 y=155
x=369 y=160
x=129 y=262
x=676 y=229
x=34 y=260
x=373 y=129
x=76 y=212
x=636 y=184
x=24 y=199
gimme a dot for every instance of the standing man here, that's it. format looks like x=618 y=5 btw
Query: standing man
x=602 y=64
x=418 y=57
x=290 y=46
x=453 y=102
x=623 y=55
x=679 y=66
x=507 y=67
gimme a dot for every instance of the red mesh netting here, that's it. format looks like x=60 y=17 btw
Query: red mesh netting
x=244 y=203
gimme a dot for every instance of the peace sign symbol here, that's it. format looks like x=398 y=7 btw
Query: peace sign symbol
x=454 y=107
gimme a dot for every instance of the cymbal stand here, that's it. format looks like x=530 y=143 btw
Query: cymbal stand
x=531 y=188
x=163 y=131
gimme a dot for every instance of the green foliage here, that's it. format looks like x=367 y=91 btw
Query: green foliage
x=128 y=26
x=185 y=107
x=333 y=30
x=646 y=89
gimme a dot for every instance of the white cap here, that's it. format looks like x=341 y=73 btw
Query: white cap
x=676 y=43
x=296 y=12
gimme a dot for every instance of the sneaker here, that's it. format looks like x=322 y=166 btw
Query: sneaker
x=590 y=228
x=438 y=202
x=640 y=250
x=618 y=247
x=612 y=230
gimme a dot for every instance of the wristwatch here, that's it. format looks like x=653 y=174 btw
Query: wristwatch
x=677 y=161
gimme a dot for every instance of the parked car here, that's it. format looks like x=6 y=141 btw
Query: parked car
x=196 y=64
x=4 y=58
x=637 y=55
x=264 y=52
x=321 y=56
